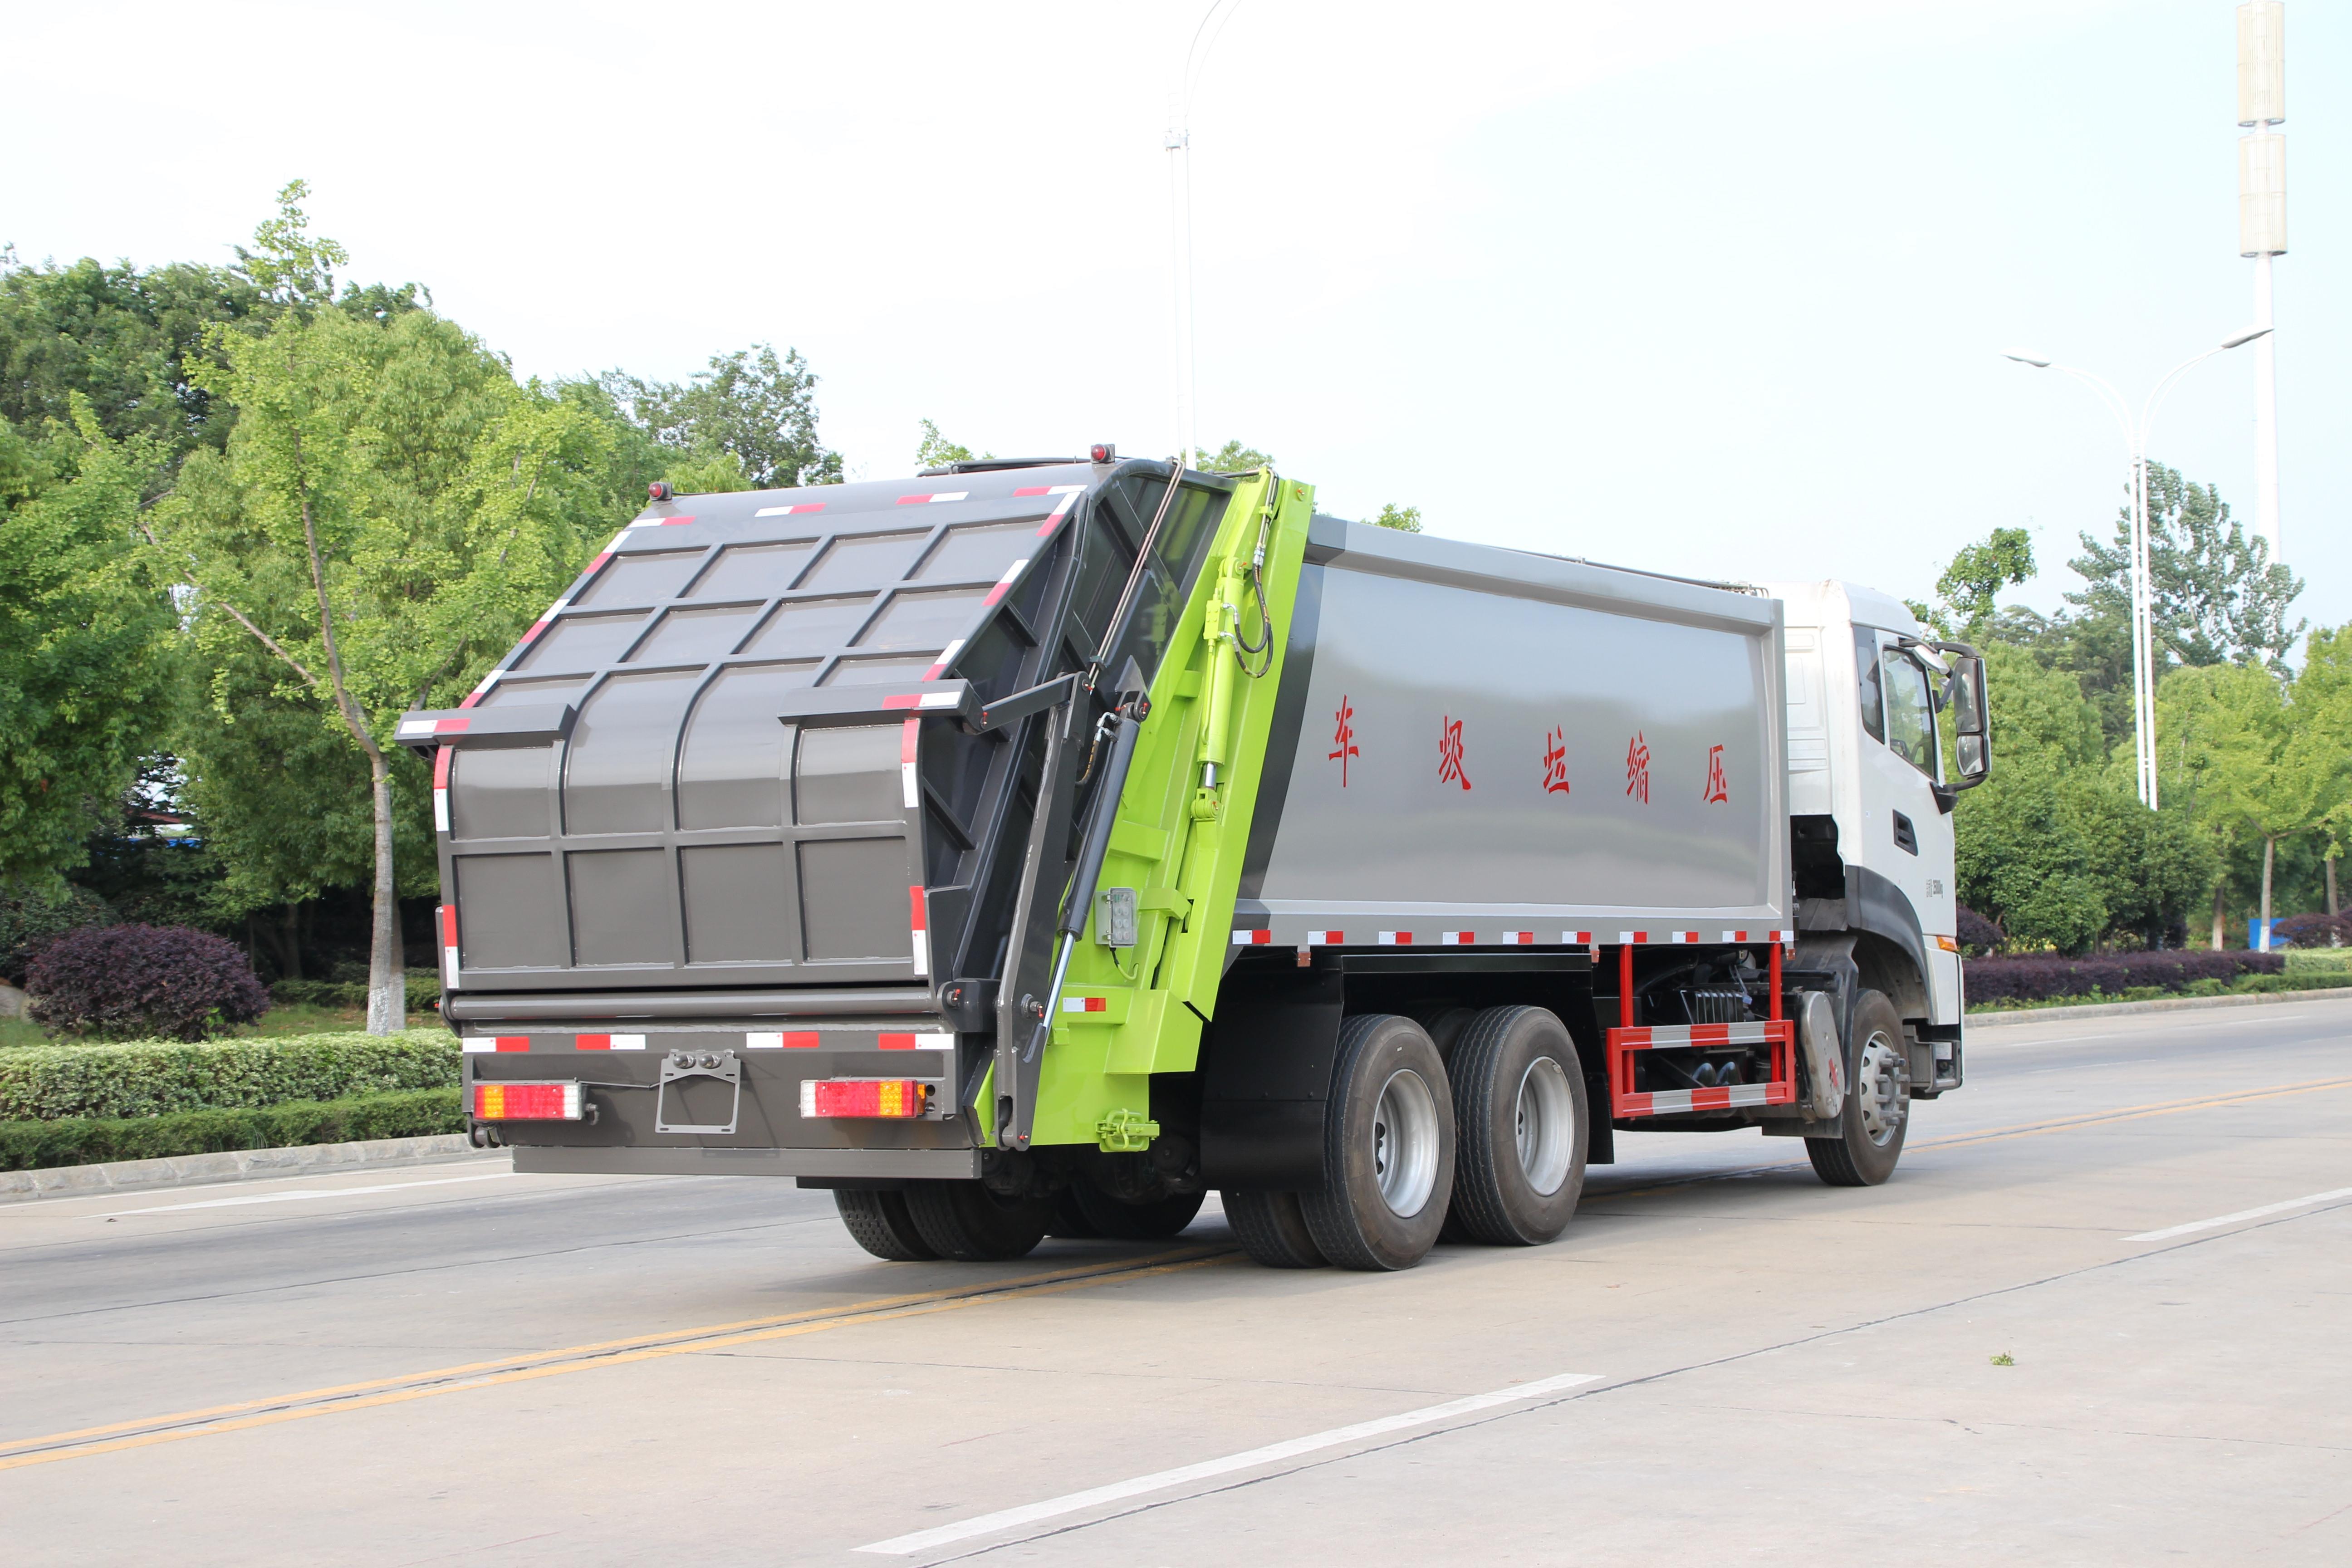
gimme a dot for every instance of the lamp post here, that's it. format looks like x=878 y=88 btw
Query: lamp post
x=1178 y=141
x=2142 y=589
x=2261 y=223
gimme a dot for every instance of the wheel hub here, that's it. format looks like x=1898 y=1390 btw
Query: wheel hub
x=1882 y=1089
x=1405 y=1142
x=1544 y=1125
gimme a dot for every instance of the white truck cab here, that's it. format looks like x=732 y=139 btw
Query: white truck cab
x=1872 y=697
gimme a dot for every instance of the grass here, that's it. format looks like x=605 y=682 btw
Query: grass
x=2315 y=977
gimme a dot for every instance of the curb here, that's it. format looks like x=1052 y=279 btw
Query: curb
x=233 y=1165
x=2168 y=1005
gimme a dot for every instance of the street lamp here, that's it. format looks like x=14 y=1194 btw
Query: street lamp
x=2142 y=590
x=1179 y=144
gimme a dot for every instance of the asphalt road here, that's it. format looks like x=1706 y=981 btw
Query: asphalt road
x=2031 y=1345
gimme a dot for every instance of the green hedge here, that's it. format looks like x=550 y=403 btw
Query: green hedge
x=145 y=1078
x=84 y=1141
x=424 y=992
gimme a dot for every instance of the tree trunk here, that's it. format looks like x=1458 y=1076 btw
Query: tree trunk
x=2332 y=911
x=2220 y=933
x=387 y=987
x=289 y=951
x=2270 y=850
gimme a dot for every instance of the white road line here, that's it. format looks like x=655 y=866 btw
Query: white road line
x=299 y=1197
x=1160 y=1480
x=2242 y=1215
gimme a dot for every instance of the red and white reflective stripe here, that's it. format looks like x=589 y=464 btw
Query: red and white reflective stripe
x=1327 y=938
x=1633 y=938
x=898 y=700
x=947 y=656
x=658 y=522
x=1520 y=938
x=921 y=932
x=1253 y=938
x=1396 y=939
x=1069 y=494
x=1785 y=938
x=1682 y=938
x=910 y=734
x=418 y=729
x=933 y=498
x=482 y=690
x=608 y=1042
x=589 y=570
x=441 y=791
x=1049 y=490
x=1576 y=938
x=1672 y=1035
x=789 y=510
x=786 y=1040
x=1457 y=939
x=476 y=1045
x=1005 y=584
x=1667 y=1101
x=449 y=947
x=1085 y=1003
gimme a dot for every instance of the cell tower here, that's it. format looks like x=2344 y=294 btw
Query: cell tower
x=2261 y=223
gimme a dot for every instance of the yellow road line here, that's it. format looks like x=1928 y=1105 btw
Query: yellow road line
x=250 y=1413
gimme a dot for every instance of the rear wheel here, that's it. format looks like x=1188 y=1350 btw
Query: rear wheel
x=1388 y=1148
x=1070 y=1221
x=880 y=1223
x=1519 y=1115
x=1272 y=1230
x=1124 y=1221
x=1877 y=1100
x=965 y=1221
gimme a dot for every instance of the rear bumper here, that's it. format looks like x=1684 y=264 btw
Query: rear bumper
x=909 y=1164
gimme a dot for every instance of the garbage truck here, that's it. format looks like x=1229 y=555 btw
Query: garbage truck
x=1033 y=848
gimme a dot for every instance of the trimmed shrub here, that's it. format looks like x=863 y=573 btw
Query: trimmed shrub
x=82 y=1141
x=31 y=920
x=2041 y=979
x=41 y=1083
x=2313 y=931
x=1976 y=932
x=142 y=981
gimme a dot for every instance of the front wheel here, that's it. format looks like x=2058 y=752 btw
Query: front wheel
x=1877 y=1099
x=1388 y=1148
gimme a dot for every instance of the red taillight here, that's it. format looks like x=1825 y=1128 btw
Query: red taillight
x=1103 y=452
x=526 y=1103
x=864 y=1097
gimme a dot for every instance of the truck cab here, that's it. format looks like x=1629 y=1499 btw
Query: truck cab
x=1874 y=699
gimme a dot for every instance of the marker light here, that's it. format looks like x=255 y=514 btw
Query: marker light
x=1103 y=452
x=660 y=489
x=526 y=1103
x=893 y=1096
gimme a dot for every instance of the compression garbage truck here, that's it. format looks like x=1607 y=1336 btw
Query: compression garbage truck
x=1032 y=848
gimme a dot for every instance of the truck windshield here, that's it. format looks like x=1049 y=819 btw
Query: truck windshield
x=1910 y=718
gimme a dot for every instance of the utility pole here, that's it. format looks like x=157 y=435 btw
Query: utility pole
x=2261 y=223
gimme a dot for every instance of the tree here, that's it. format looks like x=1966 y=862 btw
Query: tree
x=750 y=405
x=1972 y=582
x=2217 y=596
x=2024 y=858
x=85 y=643
x=936 y=451
x=1403 y=518
x=1233 y=457
x=2231 y=740
x=390 y=512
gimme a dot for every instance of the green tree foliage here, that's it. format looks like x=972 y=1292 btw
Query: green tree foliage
x=86 y=625
x=2217 y=595
x=1403 y=518
x=936 y=451
x=1233 y=457
x=1972 y=582
x=750 y=406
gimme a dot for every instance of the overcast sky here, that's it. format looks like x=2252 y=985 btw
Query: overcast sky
x=1715 y=286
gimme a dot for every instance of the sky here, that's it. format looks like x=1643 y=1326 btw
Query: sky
x=1716 y=288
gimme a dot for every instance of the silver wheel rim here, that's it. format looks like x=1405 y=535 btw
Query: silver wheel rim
x=1544 y=1122
x=1404 y=1143
x=1882 y=1089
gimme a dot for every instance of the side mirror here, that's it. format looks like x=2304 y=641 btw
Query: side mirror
x=1972 y=742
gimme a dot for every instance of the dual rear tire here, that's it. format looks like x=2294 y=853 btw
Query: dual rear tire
x=1498 y=1144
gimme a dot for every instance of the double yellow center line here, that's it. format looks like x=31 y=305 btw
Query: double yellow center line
x=312 y=1402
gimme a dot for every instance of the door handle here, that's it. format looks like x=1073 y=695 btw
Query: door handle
x=1906 y=838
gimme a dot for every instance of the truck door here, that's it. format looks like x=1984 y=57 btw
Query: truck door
x=1906 y=837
